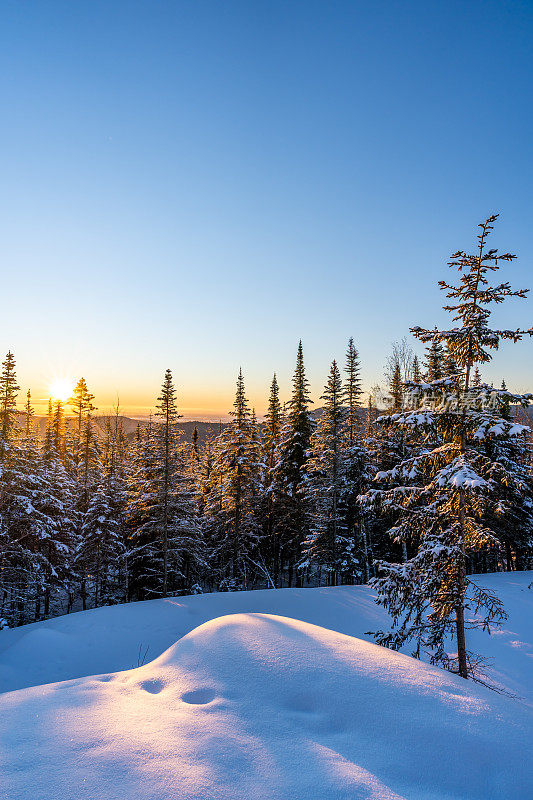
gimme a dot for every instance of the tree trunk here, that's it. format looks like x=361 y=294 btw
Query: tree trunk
x=461 y=640
x=460 y=607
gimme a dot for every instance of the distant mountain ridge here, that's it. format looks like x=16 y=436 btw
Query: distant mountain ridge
x=130 y=424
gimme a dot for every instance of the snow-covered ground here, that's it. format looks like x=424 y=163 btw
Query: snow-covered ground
x=274 y=694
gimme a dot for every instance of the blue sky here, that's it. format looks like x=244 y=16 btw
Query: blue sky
x=199 y=184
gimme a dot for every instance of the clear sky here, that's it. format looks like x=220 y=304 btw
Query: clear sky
x=197 y=185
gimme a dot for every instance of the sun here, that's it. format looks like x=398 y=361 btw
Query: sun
x=61 y=389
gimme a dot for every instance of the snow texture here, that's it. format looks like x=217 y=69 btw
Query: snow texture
x=260 y=705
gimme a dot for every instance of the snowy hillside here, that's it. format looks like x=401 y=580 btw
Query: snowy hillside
x=259 y=705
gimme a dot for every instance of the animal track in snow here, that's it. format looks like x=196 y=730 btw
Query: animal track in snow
x=199 y=696
x=152 y=686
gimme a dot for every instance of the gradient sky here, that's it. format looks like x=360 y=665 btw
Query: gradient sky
x=197 y=185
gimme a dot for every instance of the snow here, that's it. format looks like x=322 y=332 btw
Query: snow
x=460 y=474
x=109 y=639
x=247 y=698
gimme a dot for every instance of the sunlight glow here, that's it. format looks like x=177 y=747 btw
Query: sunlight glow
x=61 y=389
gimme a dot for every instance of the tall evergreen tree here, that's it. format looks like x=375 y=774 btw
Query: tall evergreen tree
x=29 y=414
x=231 y=505
x=272 y=430
x=58 y=428
x=8 y=402
x=353 y=391
x=88 y=462
x=451 y=493
x=291 y=469
x=48 y=444
x=396 y=389
x=101 y=547
x=81 y=402
x=166 y=553
x=417 y=375
x=329 y=546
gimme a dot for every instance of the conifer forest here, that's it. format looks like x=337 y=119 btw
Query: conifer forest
x=266 y=400
x=418 y=487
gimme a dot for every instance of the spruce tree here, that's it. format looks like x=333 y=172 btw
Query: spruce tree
x=450 y=493
x=417 y=375
x=272 y=429
x=166 y=552
x=353 y=391
x=328 y=545
x=48 y=444
x=434 y=361
x=81 y=402
x=291 y=469
x=231 y=504
x=8 y=402
x=396 y=389
x=101 y=548
x=29 y=414
x=88 y=462
x=58 y=429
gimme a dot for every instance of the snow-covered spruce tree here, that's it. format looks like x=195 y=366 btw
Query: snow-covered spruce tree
x=61 y=506
x=81 y=405
x=86 y=468
x=143 y=552
x=39 y=522
x=203 y=476
x=385 y=447
x=511 y=518
x=231 y=503
x=329 y=548
x=101 y=547
x=22 y=526
x=357 y=466
x=449 y=493
x=18 y=484
x=166 y=552
x=270 y=505
x=290 y=471
x=90 y=466
x=117 y=466
x=8 y=402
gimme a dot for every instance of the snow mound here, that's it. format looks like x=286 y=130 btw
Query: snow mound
x=120 y=637
x=113 y=638
x=263 y=707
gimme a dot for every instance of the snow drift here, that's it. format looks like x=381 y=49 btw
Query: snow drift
x=121 y=637
x=269 y=695
x=261 y=706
